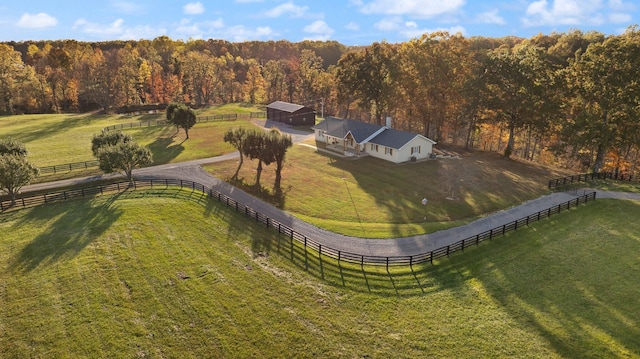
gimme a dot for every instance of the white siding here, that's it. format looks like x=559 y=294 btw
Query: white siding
x=404 y=153
x=320 y=135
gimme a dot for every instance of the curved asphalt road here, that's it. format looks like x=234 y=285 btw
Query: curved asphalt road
x=388 y=247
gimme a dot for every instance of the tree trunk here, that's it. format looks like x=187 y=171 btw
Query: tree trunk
x=235 y=176
x=597 y=166
x=277 y=184
x=510 y=141
x=258 y=173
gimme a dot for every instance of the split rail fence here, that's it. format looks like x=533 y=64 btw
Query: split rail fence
x=305 y=242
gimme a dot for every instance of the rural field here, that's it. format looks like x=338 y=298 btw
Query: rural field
x=169 y=274
x=66 y=138
x=377 y=199
x=366 y=198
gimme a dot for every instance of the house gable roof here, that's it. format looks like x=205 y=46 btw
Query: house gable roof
x=285 y=106
x=336 y=127
x=395 y=138
x=367 y=132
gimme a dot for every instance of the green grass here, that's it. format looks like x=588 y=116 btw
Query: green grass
x=373 y=198
x=58 y=139
x=168 y=145
x=146 y=274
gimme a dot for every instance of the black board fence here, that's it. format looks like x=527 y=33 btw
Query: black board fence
x=68 y=167
x=199 y=119
x=304 y=241
x=581 y=178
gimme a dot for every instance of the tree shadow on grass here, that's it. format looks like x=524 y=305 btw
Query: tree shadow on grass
x=163 y=151
x=579 y=308
x=79 y=224
x=55 y=127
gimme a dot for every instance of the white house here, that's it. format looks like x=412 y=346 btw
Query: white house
x=354 y=138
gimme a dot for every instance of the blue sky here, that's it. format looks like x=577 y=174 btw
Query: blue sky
x=350 y=22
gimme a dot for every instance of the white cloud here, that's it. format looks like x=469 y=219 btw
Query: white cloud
x=565 y=12
x=320 y=30
x=491 y=17
x=411 y=29
x=126 y=7
x=352 y=26
x=118 y=30
x=241 y=33
x=287 y=8
x=416 y=8
x=39 y=20
x=389 y=24
x=199 y=29
x=193 y=8
x=620 y=18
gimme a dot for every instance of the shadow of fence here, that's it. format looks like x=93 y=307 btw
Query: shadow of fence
x=300 y=245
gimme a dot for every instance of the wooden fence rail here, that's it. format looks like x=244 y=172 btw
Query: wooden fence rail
x=307 y=243
x=564 y=181
x=199 y=119
x=68 y=167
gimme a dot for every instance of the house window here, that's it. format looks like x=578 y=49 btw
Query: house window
x=415 y=149
x=374 y=147
x=388 y=151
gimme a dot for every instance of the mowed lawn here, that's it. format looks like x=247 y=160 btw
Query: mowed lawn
x=373 y=198
x=66 y=138
x=169 y=274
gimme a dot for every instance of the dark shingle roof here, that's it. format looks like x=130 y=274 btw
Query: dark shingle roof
x=285 y=106
x=361 y=131
x=337 y=127
x=393 y=138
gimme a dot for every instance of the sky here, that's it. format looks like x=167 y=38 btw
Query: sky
x=350 y=22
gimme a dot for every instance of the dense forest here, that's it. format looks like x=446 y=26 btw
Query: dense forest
x=569 y=99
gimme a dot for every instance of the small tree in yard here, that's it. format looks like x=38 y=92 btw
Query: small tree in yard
x=108 y=138
x=15 y=170
x=120 y=156
x=9 y=146
x=170 y=109
x=237 y=137
x=277 y=145
x=256 y=148
x=183 y=116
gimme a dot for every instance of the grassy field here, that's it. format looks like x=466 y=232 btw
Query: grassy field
x=60 y=139
x=146 y=274
x=374 y=198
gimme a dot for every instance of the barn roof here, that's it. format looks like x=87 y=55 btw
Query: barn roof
x=367 y=132
x=285 y=106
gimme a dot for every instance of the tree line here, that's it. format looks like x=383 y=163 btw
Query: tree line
x=569 y=99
